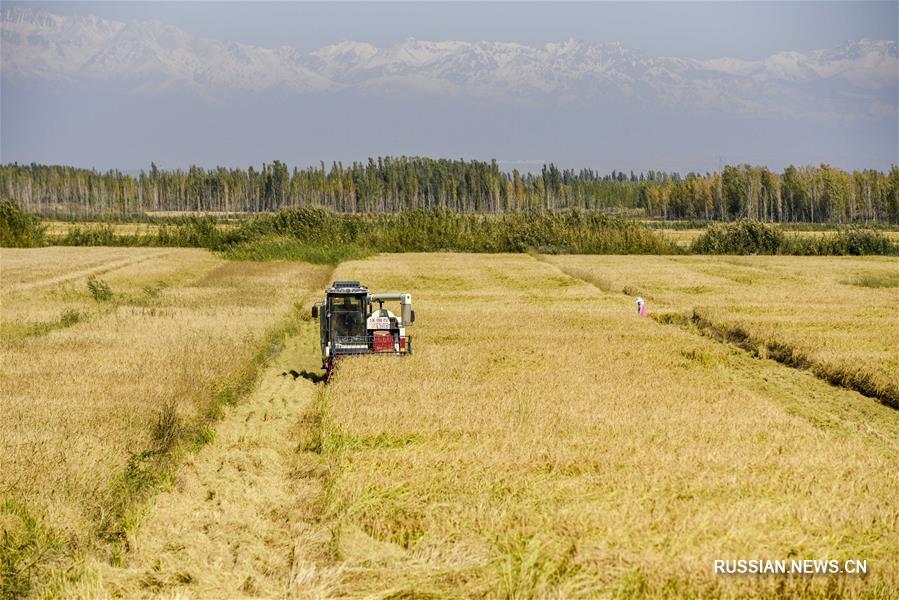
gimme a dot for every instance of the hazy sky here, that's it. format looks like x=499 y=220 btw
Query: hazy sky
x=143 y=93
x=749 y=30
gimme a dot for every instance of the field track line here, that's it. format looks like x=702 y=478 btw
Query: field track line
x=778 y=352
x=702 y=326
x=113 y=265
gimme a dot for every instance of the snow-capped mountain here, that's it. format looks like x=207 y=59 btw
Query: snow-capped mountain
x=865 y=63
x=151 y=57
x=145 y=55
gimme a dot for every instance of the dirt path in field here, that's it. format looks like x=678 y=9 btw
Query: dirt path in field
x=241 y=519
x=100 y=269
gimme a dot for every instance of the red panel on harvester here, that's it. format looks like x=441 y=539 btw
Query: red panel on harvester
x=382 y=341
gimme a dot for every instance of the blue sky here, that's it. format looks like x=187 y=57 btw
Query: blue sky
x=112 y=111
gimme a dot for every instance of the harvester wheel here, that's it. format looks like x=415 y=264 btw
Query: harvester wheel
x=329 y=373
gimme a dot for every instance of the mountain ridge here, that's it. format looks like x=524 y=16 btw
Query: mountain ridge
x=152 y=57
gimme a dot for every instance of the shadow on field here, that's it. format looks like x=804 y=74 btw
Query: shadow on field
x=310 y=375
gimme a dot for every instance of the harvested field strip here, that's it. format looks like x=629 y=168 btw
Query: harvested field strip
x=241 y=516
x=820 y=320
x=546 y=441
x=96 y=414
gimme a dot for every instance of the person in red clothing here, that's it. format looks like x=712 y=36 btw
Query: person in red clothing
x=641 y=306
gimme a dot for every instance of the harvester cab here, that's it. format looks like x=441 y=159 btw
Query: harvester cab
x=354 y=321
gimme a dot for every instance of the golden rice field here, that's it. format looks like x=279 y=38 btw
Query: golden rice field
x=61 y=228
x=837 y=313
x=91 y=390
x=685 y=237
x=543 y=441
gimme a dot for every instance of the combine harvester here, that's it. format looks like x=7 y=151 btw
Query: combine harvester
x=348 y=324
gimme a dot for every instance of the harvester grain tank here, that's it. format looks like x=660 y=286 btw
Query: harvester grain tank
x=349 y=323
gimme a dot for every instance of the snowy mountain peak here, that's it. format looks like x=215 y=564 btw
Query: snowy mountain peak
x=346 y=49
x=149 y=56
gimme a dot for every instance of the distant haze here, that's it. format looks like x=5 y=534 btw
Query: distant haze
x=117 y=86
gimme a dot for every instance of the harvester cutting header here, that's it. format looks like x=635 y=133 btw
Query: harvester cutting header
x=349 y=323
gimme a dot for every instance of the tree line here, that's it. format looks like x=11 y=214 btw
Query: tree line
x=799 y=194
x=397 y=184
